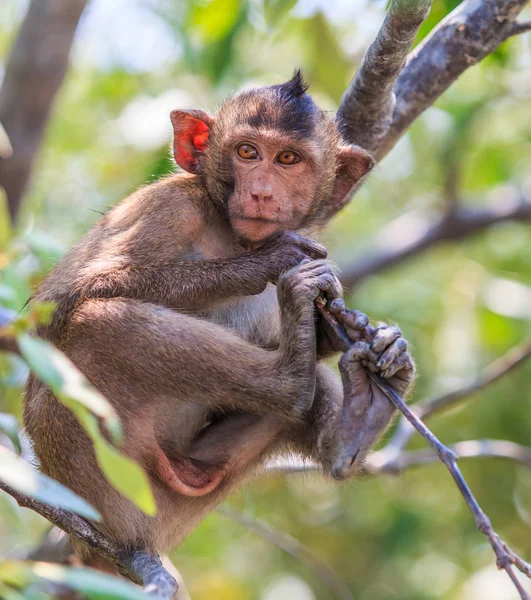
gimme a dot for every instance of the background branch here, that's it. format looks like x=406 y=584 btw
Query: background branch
x=379 y=463
x=33 y=76
x=458 y=224
x=292 y=546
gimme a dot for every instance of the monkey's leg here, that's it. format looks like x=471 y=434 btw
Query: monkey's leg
x=223 y=450
x=133 y=351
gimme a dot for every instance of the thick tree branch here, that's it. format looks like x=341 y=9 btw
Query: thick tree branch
x=460 y=223
x=34 y=73
x=292 y=546
x=366 y=109
x=137 y=565
x=469 y=33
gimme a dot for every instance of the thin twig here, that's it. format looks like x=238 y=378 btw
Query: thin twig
x=292 y=546
x=137 y=565
x=425 y=409
x=505 y=557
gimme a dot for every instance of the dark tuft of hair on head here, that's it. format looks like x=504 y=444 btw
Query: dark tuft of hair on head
x=295 y=87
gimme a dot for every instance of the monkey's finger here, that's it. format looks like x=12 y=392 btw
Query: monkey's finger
x=308 y=246
x=335 y=290
x=359 y=352
x=353 y=320
x=385 y=335
x=403 y=366
x=336 y=306
x=397 y=348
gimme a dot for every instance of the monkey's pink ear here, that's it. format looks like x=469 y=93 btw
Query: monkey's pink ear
x=353 y=163
x=190 y=137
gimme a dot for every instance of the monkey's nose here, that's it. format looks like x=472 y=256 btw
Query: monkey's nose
x=261 y=198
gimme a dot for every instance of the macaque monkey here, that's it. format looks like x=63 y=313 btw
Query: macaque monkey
x=190 y=306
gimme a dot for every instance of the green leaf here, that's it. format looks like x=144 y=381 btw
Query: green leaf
x=74 y=391
x=215 y=20
x=7 y=593
x=9 y=427
x=92 y=584
x=66 y=381
x=123 y=472
x=19 y=475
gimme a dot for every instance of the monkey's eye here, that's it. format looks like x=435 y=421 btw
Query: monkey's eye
x=288 y=157
x=247 y=151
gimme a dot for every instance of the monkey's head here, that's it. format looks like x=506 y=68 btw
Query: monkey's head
x=271 y=158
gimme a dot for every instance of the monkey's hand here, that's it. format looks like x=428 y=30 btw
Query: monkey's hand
x=284 y=252
x=366 y=411
x=353 y=322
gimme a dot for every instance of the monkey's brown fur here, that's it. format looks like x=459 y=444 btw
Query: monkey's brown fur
x=169 y=307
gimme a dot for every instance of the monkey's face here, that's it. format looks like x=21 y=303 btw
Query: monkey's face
x=271 y=158
x=274 y=184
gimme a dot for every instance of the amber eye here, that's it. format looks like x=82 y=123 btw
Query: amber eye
x=287 y=157
x=247 y=151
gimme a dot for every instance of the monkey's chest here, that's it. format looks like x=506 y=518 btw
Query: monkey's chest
x=255 y=318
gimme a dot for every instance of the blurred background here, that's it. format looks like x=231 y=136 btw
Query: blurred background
x=461 y=305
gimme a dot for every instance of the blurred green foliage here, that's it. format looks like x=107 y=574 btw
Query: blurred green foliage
x=460 y=305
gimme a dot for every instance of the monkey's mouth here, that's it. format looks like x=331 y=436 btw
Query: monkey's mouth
x=257 y=219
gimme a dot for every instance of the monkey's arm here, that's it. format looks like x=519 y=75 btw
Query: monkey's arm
x=200 y=284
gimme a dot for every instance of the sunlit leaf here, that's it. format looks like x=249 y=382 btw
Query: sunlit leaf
x=9 y=427
x=214 y=20
x=6 y=150
x=8 y=593
x=124 y=473
x=65 y=379
x=19 y=475
x=92 y=584
x=274 y=10
x=72 y=389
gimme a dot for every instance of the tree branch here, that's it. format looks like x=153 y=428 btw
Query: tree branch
x=505 y=557
x=366 y=109
x=292 y=546
x=380 y=463
x=34 y=73
x=425 y=409
x=137 y=565
x=469 y=33
x=519 y=28
x=384 y=462
x=460 y=223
